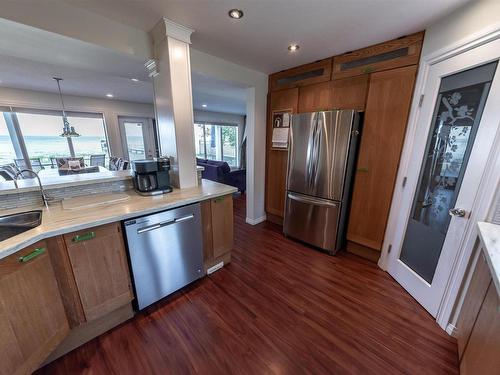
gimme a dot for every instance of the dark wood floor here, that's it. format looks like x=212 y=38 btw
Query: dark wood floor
x=278 y=308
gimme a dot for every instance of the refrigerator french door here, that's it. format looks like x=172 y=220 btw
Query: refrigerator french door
x=321 y=158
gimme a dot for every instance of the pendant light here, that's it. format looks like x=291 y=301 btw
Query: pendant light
x=68 y=131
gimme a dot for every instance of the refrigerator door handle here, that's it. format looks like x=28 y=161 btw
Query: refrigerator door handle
x=311 y=200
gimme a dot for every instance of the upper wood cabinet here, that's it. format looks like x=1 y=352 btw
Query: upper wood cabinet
x=319 y=71
x=387 y=108
x=349 y=93
x=99 y=263
x=32 y=317
x=388 y=55
x=276 y=160
x=218 y=224
x=346 y=93
x=315 y=97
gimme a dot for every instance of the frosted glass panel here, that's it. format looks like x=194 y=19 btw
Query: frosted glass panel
x=458 y=109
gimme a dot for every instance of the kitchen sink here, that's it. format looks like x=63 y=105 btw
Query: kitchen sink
x=11 y=225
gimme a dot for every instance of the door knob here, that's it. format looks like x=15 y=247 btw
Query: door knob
x=457 y=212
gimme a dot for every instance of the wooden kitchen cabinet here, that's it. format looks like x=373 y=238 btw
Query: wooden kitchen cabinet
x=218 y=224
x=99 y=263
x=32 y=317
x=481 y=356
x=349 y=93
x=307 y=74
x=388 y=55
x=387 y=107
x=276 y=160
x=315 y=97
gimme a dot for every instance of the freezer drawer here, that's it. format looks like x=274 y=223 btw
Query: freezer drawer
x=166 y=252
x=312 y=220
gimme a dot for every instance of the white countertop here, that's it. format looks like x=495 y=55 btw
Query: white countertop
x=56 y=220
x=490 y=237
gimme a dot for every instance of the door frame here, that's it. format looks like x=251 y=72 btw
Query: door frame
x=489 y=179
x=151 y=137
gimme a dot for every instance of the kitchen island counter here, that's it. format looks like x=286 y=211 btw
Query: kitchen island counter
x=56 y=220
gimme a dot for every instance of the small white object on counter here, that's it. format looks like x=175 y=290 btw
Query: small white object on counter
x=490 y=238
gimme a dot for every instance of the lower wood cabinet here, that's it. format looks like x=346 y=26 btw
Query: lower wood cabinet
x=217 y=219
x=482 y=354
x=32 y=317
x=99 y=263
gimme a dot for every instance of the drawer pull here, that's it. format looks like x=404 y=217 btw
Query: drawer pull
x=84 y=237
x=219 y=199
x=32 y=255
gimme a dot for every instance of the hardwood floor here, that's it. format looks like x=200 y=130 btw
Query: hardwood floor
x=278 y=308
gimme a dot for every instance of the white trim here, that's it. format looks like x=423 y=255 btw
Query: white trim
x=487 y=187
x=451 y=330
x=177 y=31
x=256 y=221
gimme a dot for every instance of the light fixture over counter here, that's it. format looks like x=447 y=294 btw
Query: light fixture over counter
x=68 y=131
x=293 y=47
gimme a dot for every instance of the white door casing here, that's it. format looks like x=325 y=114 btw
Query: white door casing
x=477 y=189
x=148 y=135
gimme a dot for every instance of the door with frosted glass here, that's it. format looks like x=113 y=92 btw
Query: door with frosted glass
x=456 y=120
x=138 y=138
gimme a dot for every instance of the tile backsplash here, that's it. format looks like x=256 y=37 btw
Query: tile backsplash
x=16 y=200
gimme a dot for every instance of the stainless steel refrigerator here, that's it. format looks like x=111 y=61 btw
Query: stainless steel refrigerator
x=321 y=158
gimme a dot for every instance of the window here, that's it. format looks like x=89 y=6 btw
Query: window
x=40 y=131
x=217 y=142
x=41 y=136
x=92 y=140
x=7 y=152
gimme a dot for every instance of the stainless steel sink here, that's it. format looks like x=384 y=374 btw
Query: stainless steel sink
x=11 y=225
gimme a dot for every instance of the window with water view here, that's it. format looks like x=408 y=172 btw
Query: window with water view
x=40 y=135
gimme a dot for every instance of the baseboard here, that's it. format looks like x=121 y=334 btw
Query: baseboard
x=255 y=221
x=89 y=330
x=451 y=330
x=363 y=251
x=274 y=219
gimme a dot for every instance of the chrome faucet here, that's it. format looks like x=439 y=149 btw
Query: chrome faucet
x=42 y=192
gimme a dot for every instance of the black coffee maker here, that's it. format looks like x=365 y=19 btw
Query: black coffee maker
x=151 y=176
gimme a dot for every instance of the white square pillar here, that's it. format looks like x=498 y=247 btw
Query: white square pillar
x=173 y=99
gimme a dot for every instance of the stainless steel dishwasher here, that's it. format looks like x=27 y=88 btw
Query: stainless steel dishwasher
x=166 y=252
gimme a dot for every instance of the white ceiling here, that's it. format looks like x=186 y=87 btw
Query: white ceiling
x=218 y=95
x=30 y=57
x=322 y=28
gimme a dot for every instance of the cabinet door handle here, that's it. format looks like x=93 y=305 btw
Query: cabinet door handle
x=219 y=199
x=84 y=237
x=31 y=255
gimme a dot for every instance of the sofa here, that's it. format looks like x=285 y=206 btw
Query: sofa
x=219 y=171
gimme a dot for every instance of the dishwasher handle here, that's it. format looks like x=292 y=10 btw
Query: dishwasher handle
x=164 y=224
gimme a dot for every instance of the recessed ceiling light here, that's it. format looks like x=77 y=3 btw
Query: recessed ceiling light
x=134 y=79
x=204 y=105
x=110 y=95
x=293 y=47
x=236 y=14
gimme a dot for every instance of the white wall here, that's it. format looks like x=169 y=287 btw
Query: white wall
x=462 y=23
x=110 y=108
x=255 y=122
x=223 y=118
